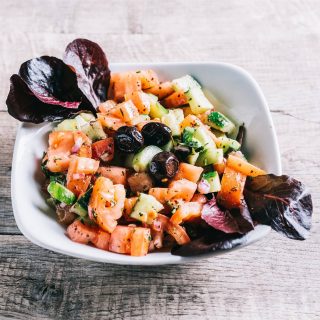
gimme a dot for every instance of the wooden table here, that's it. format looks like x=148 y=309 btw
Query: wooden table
x=278 y=42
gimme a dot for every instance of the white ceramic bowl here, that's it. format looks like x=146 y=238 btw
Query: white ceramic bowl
x=239 y=97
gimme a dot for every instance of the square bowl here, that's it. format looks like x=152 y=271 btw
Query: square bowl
x=238 y=96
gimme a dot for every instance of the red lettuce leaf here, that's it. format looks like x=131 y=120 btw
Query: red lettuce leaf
x=218 y=218
x=212 y=240
x=23 y=105
x=243 y=218
x=282 y=202
x=52 y=81
x=234 y=221
x=91 y=66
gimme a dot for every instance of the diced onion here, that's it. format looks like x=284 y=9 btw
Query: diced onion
x=203 y=186
x=77 y=145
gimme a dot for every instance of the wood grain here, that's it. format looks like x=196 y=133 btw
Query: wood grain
x=278 y=42
x=245 y=284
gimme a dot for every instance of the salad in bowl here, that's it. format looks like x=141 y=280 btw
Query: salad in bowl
x=137 y=165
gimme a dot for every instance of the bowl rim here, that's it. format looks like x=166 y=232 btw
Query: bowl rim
x=168 y=259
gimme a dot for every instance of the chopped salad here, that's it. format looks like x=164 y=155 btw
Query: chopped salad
x=136 y=165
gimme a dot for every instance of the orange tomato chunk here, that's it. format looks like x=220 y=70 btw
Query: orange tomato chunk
x=232 y=185
x=140 y=240
x=181 y=189
x=189 y=172
x=241 y=165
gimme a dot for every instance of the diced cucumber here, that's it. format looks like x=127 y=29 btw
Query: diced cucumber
x=87 y=116
x=81 y=206
x=210 y=156
x=201 y=135
x=61 y=193
x=168 y=146
x=185 y=83
x=146 y=208
x=67 y=125
x=156 y=109
x=170 y=120
x=79 y=210
x=86 y=123
x=198 y=101
x=94 y=130
x=192 y=89
x=213 y=179
x=140 y=118
x=197 y=138
x=179 y=115
x=189 y=140
x=141 y=160
x=226 y=143
x=192 y=158
x=153 y=98
x=220 y=122
x=81 y=122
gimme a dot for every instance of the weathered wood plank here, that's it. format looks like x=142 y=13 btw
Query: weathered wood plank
x=260 y=281
x=7 y=137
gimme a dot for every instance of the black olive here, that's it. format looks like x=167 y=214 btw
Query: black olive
x=181 y=152
x=164 y=166
x=128 y=139
x=156 y=134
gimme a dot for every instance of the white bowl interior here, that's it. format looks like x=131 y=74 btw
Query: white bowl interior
x=239 y=97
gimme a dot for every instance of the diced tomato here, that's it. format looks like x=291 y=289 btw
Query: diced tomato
x=117 y=175
x=62 y=144
x=85 y=165
x=161 y=194
x=141 y=100
x=81 y=233
x=189 y=172
x=181 y=189
x=106 y=106
x=161 y=90
x=101 y=240
x=148 y=78
x=200 y=198
x=175 y=230
x=186 y=211
x=140 y=240
x=120 y=239
x=190 y=121
x=103 y=149
x=243 y=166
x=126 y=111
x=122 y=84
x=129 y=203
x=106 y=203
x=219 y=167
x=232 y=185
x=82 y=140
x=110 y=122
x=79 y=185
x=79 y=174
x=175 y=100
